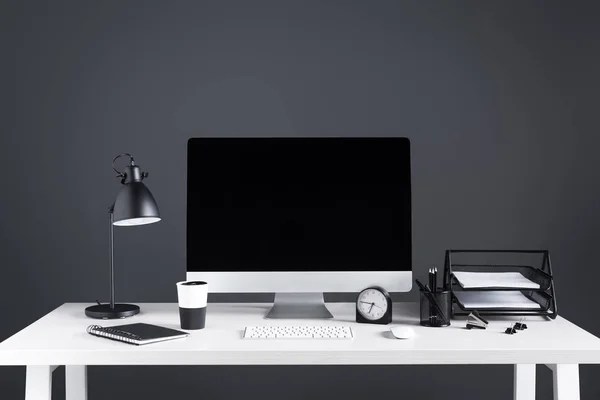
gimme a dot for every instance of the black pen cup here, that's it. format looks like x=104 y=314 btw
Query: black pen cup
x=430 y=314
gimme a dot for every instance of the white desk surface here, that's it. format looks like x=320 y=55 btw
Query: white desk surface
x=60 y=338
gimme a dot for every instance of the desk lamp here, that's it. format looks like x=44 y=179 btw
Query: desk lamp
x=134 y=205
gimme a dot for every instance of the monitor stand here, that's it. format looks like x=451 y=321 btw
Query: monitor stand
x=299 y=305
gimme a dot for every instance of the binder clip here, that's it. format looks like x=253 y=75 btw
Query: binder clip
x=474 y=320
x=510 y=330
x=520 y=326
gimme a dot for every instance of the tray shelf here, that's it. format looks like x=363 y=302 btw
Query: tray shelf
x=537 y=269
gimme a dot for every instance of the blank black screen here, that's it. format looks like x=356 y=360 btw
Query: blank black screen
x=299 y=204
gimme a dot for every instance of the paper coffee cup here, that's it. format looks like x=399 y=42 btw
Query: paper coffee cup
x=192 y=297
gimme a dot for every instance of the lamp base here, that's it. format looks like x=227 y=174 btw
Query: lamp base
x=104 y=311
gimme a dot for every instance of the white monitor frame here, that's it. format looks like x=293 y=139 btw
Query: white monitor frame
x=302 y=281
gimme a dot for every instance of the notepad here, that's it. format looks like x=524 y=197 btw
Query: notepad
x=495 y=299
x=137 y=334
x=499 y=280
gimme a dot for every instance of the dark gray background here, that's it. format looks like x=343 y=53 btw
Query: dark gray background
x=499 y=99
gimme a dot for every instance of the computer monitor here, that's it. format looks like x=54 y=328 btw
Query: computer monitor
x=299 y=215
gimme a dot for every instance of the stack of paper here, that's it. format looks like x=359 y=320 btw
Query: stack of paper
x=501 y=280
x=495 y=299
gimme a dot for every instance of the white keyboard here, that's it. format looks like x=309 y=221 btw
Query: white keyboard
x=298 y=332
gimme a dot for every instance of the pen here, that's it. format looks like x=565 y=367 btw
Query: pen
x=434 y=280
x=444 y=280
x=430 y=280
x=430 y=277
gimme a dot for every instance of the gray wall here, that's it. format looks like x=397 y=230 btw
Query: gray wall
x=499 y=99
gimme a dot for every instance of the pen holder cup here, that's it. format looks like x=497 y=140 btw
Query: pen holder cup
x=429 y=314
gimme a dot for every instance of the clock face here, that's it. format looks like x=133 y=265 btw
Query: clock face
x=372 y=304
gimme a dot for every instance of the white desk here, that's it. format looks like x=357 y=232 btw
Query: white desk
x=60 y=338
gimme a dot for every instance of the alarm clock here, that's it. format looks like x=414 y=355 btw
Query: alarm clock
x=374 y=306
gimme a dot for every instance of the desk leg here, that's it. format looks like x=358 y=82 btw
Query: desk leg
x=38 y=382
x=524 y=382
x=76 y=382
x=566 y=381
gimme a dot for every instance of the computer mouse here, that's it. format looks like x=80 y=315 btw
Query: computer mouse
x=403 y=332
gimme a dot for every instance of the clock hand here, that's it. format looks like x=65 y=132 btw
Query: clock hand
x=372 y=304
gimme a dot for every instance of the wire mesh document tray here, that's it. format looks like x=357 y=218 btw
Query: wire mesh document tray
x=500 y=282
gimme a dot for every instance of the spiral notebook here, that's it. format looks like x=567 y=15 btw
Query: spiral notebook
x=137 y=334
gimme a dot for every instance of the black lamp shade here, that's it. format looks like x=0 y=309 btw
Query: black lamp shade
x=135 y=205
